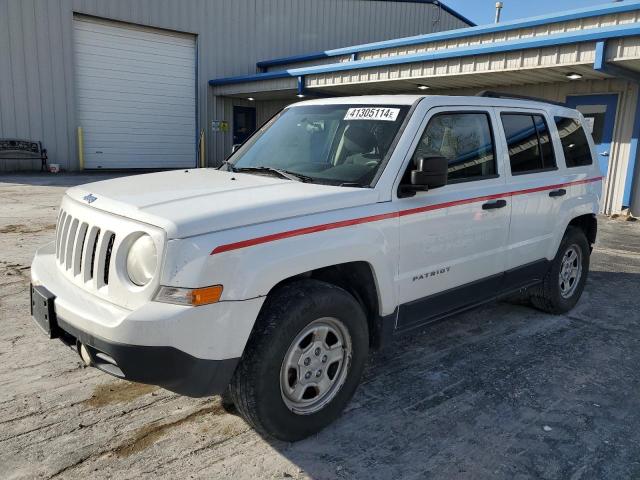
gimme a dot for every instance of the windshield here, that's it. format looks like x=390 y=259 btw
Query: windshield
x=332 y=144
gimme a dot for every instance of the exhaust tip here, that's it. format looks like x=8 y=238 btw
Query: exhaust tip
x=84 y=354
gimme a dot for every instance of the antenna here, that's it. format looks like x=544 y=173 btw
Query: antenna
x=499 y=6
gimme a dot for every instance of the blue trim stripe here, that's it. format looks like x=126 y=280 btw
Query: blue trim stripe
x=622 y=7
x=595 y=34
x=601 y=50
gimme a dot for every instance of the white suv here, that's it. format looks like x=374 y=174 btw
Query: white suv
x=340 y=223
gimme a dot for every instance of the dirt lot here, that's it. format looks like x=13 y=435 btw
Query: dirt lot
x=500 y=392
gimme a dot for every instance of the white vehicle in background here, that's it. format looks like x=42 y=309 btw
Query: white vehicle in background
x=340 y=223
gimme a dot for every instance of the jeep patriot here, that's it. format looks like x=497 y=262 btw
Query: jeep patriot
x=337 y=225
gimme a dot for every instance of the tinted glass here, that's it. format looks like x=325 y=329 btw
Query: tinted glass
x=522 y=140
x=546 y=146
x=465 y=139
x=331 y=144
x=574 y=142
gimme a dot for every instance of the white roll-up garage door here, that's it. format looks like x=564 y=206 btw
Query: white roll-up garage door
x=135 y=94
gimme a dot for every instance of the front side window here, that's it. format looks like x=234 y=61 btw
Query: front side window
x=465 y=139
x=529 y=143
x=574 y=142
x=330 y=144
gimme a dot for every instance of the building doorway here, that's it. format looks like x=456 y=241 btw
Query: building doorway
x=244 y=123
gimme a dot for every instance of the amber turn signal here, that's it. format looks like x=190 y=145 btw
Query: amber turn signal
x=204 y=296
x=189 y=296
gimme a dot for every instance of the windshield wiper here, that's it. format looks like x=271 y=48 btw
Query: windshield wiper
x=353 y=184
x=298 y=177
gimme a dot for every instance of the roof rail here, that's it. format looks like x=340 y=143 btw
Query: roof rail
x=492 y=94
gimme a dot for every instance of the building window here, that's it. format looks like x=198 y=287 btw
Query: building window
x=574 y=142
x=529 y=142
x=465 y=139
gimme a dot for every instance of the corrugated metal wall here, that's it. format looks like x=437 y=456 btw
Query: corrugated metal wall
x=37 y=96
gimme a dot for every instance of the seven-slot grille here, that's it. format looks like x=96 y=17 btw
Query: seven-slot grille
x=84 y=250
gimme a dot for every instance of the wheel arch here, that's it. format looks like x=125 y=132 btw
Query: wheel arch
x=588 y=224
x=581 y=216
x=358 y=279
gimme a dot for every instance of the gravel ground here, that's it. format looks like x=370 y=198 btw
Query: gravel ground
x=502 y=391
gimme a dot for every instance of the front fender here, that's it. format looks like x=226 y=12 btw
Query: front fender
x=252 y=271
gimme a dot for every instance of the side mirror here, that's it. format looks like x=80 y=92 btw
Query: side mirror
x=431 y=172
x=235 y=147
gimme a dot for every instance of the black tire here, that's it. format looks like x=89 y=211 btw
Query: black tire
x=227 y=403
x=256 y=387
x=548 y=295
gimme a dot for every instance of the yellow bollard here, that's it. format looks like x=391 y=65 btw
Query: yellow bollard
x=80 y=148
x=203 y=160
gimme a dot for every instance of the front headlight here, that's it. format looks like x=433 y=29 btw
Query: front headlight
x=142 y=260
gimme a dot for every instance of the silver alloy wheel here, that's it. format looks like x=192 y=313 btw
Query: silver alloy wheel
x=570 y=271
x=316 y=365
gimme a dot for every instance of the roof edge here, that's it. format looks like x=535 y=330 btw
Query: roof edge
x=460 y=32
x=594 y=34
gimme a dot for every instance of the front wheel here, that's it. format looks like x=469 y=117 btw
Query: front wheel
x=563 y=284
x=303 y=361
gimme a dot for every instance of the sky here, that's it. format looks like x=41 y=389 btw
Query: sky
x=483 y=11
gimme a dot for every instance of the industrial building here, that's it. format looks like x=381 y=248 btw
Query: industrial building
x=113 y=84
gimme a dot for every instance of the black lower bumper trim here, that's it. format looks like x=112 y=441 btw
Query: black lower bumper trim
x=167 y=367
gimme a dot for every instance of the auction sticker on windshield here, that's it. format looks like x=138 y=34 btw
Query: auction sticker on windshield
x=372 y=113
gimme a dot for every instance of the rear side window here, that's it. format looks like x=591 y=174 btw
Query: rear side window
x=529 y=142
x=465 y=139
x=574 y=142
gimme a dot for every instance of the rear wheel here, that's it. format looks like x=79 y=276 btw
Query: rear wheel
x=303 y=361
x=563 y=284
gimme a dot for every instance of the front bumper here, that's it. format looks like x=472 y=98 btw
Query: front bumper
x=189 y=350
x=167 y=367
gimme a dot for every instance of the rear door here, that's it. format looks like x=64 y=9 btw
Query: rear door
x=452 y=239
x=532 y=166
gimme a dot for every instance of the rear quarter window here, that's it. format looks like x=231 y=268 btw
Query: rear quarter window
x=529 y=142
x=574 y=142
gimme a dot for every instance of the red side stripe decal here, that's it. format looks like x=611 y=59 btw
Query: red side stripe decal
x=375 y=218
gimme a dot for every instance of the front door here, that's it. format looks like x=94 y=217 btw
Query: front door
x=600 y=113
x=453 y=238
x=244 y=123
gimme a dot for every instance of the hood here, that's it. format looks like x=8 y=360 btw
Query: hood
x=192 y=202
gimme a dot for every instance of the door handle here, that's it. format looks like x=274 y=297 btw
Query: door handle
x=557 y=193
x=495 y=204
x=604 y=154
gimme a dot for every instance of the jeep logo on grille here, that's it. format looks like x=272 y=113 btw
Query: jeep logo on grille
x=90 y=198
